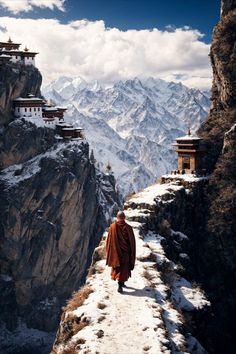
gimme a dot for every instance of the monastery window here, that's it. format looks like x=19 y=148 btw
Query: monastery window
x=25 y=109
x=34 y=109
x=30 y=109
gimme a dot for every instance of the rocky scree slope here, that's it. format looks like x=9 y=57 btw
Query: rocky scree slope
x=162 y=310
x=54 y=207
x=132 y=123
x=219 y=270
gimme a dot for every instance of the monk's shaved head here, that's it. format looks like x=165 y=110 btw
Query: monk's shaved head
x=120 y=215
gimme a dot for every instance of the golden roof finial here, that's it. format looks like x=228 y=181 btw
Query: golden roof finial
x=189 y=131
x=9 y=40
x=26 y=49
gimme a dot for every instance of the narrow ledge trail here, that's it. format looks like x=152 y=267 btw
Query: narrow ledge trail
x=148 y=316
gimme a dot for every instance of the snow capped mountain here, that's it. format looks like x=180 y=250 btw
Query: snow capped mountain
x=132 y=123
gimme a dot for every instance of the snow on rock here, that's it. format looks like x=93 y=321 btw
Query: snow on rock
x=132 y=123
x=19 y=172
x=149 y=316
x=151 y=194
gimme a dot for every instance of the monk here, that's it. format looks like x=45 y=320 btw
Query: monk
x=121 y=250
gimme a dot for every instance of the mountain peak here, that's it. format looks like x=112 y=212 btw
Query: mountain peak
x=133 y=123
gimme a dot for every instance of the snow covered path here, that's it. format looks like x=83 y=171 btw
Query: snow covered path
x=147 y=317
x=131 y=322
x=129 y=326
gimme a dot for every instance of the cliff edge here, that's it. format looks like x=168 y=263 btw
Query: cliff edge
x=55 y=205
x=217 y=266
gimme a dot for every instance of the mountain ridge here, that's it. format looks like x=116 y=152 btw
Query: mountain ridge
x=133 y=114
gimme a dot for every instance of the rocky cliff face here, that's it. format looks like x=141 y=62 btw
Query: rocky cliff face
x=54 y=208
x=218 y=270
x=223 y=58
x=16 y=80
x=20 y=141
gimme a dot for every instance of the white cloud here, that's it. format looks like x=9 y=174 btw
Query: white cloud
x=16 y=6
x=95 y=52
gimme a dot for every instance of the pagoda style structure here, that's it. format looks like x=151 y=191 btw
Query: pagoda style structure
x=190 y=151
x=10 y=51
x=51 y=112
x=29 y=106
x=9 y=45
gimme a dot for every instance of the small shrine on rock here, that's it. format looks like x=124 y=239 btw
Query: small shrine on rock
x=190 y=152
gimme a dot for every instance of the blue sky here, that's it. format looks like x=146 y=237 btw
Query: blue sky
x=109 y=40
x=138 y=14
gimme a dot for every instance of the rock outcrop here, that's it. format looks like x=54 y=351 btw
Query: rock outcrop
x=16 y=80
x=216 y=263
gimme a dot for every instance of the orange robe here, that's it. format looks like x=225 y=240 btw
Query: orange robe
x=121 y=250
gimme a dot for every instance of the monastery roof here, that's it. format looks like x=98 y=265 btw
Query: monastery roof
x=188 y=137
x=10 y=43
x=50 y=108
x=13 y=51
x=22 y=99
x=5 y=56
x=17 y=51
x=28 y=52
x=63 y=124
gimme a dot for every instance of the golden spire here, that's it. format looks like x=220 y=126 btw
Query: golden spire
x=26 y=49
x=9 y=40
x=189 y=131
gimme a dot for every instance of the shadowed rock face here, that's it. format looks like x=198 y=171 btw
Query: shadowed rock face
x=217 y=264
x=223 y=57
x=16 y=80
x=226 y=6
x=20 y=141
x=51 y=220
